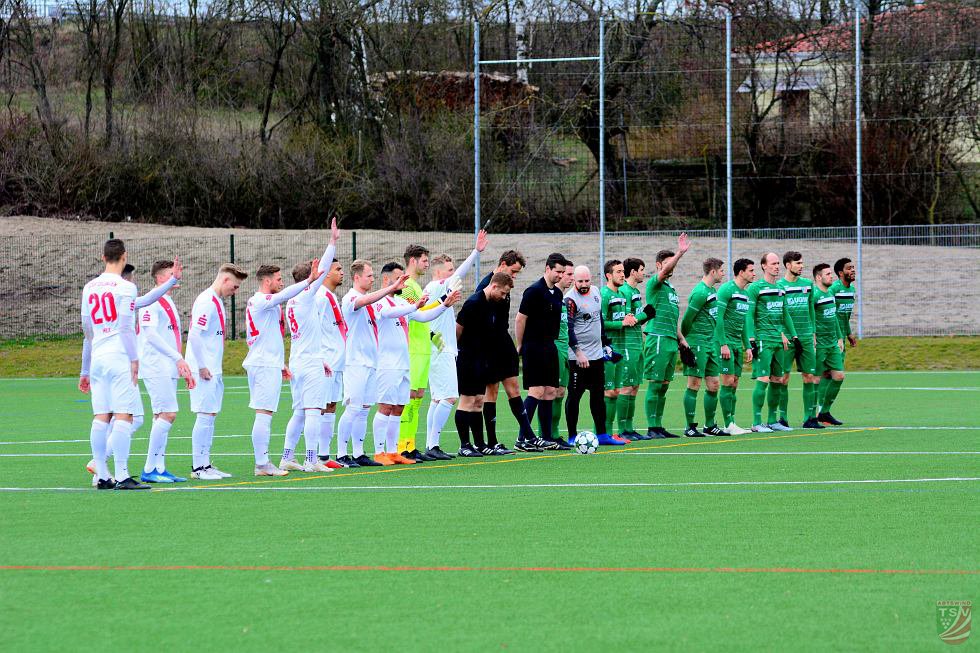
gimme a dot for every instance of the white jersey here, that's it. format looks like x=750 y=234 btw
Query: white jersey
x=333 y=329
x=208 y=328
x=445 y=324
x=362 y=331
x=158 y=334
x=108 y=307
x=265 y=326
x=303 y=322
x=392 y=334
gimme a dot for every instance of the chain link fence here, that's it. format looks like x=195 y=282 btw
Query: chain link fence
x=918 y=280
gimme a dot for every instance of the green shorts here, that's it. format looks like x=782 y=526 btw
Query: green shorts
x=418 y=370
x=706 y=357
x=769 y=362
x=562 y=366
x=632 y=366
x=829 y=359
x=659 y=358
x=807 y=362
x=614 y=375
x=733 y=366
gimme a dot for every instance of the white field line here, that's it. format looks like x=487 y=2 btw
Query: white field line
x=618 y=453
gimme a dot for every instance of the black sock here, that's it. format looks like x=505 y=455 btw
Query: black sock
x=490 y=419
x=529 y=405
x=517 y=407
x=463 y=426
x=544 y=415
x=476 y=424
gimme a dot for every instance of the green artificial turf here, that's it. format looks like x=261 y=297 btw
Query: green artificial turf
x=649 y=547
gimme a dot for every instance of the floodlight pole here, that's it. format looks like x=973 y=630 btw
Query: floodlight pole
x=602 y=142
x=728 y=136
x=859 y=205
x=476 y=141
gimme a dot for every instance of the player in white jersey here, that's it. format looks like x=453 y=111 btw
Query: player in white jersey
x=443 y=385
x=361 y=361
x=205 y=351
x=394 y=315
x=307 y=366
x=333 y=336
x=110 y=365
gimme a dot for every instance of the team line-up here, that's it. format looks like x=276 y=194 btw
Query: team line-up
x=385 y=347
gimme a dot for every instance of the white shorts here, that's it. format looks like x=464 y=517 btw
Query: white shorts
x=163 y=394
x=360 y=385
x=113 y=390
x=393 y=387
x=207 y=395
x=442 y=376
x=264 y=388
x=333 y=388
x=307 y=386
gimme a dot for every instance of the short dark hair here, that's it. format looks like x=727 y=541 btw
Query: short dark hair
x=742 y=264
x=663 y=255
x=160 y=266
x=631 y=264
x=610 y=264
x=791 y=256
x=265 y=271
x=113 y=250
x=128 y=270
x=840 y=265
x=510 y=257
x=413 y=251
x=502 y=279
x=820 y=267
x=388 y=268
x=711 y=264
x=302 y=271
x=555 y=259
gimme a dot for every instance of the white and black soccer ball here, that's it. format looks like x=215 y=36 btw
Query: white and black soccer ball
x=586 y=442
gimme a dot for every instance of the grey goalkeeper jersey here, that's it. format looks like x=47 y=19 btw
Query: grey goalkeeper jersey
x=585 y=322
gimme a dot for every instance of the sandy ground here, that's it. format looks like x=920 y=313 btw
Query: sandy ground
x=45 y=262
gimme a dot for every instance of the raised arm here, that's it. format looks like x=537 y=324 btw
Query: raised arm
x=375 y=295
x=154 y=295
x=683 y=244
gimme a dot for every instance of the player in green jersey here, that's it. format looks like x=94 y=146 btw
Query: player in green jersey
x=799 y=303
x=769 y=330
x=614 y=319
x=419 y=351
x=561 y=344
x=635 y=271
x=662 y=336
x=698 y=326
x=843 y=290
x=830 y=341
x=731 y=339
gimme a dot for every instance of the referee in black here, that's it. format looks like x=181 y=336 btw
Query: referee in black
x=536 y=329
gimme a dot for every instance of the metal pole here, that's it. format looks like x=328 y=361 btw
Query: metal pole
x=602 y=142
x=728 y=135
x=859 y=299
x=625 y=153
x=231 y=254
x=353 y=245
x=476 y=139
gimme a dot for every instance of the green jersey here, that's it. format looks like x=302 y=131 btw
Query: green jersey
x=418 y=332
x=698 y=325
x=844 y=296
x=633 y=336
x=733 y=304
x=562 y=342
x=664 y=299
x=827 y=324
x=613 y=311
x=767 y=318
x=799 y=303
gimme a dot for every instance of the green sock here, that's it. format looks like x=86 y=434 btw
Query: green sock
x=690 y=405
x=821 y=393
x=734 y=392
x=610 y=414
x=831 y=395
x=784 y=401
x=727 y=399
x=710 y=408
x=773 y=399
x=653 y=395
x=622 y=412
x=661 y=402
x=556 y=415
x=807 y=401
x=758 y=399
x=630 y=412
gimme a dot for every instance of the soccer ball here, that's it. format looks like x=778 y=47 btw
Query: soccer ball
x=586 y=442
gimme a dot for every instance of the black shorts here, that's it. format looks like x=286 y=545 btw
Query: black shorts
x=540 y=364
x=591 y=378
x=503 y=361
x=472 y=375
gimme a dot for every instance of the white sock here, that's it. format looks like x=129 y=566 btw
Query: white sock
x=158 y=445
x=327 y=421
x=294 y=429
x=429 y=414
x=442 y=413
x=98 y=436
x=122 y=433
x=311 y=432
x=137 y=422
x=108 y=445
x=394 y=426
x=201 y=440
x=380 y=431
x=343 y=431
x=358 y=428
x=261 y=434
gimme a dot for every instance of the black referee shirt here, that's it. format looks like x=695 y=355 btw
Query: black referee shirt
x=542 y=306
x=501 y=309
x=478 y=318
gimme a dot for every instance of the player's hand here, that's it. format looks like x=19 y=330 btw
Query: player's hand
x=134 y=371
x=682 y=341
x=749 y=355
x=84 y=384
x=286 y=374
x=629 y=320
x=785 y=342
x=852 y=340
x=726 y=352
x=423 y=300
x=840 y=345
x=482 y=241
x=437 y=340
x=683 y=243
x=453 y=298
x=326 y=368
x=183 y=369
x=334 y=231
x=178 y=268
x=581 y=358
x=314 y=270
x=204 y=373
x=399 y=283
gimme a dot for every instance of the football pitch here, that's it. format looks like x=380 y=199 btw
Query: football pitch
x=840 y=539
